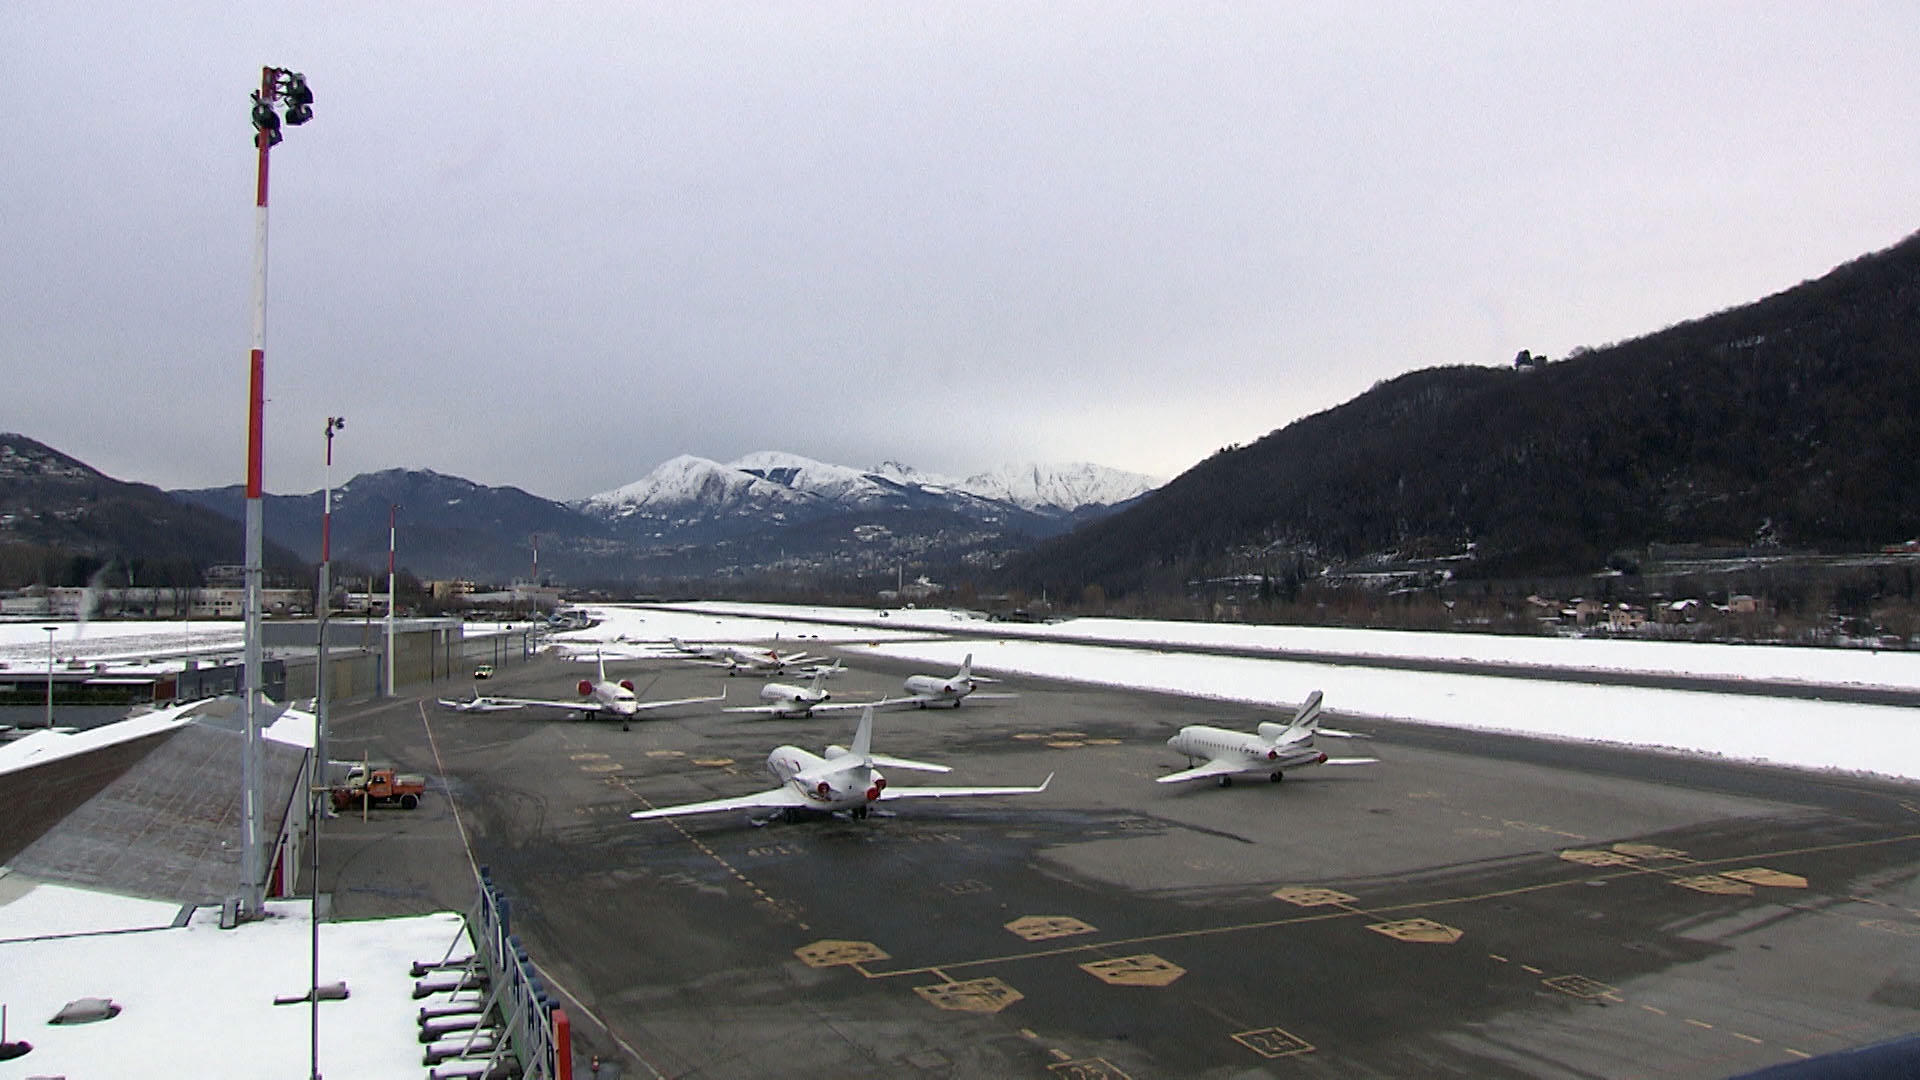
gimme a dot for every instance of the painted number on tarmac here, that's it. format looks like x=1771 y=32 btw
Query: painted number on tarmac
x=1042 y=927
x=988 y=995
x=823 y=954
x=1580 y=986
x=1424 y=931
x=1305 y=896
x=1143 y=970
x=1272 y=1042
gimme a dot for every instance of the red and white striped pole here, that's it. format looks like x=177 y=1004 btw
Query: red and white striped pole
x=252 y=895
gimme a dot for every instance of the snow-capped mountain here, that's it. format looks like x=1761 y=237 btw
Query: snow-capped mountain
x=1063 y=488
x=776 y=484
x=771 y=507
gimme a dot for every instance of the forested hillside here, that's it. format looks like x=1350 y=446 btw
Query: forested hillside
x=1790 y=421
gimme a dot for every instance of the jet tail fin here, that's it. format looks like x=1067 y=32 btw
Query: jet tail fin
x=1306 y=720
x=601 y=659
x=862 y=747
x=966 y=669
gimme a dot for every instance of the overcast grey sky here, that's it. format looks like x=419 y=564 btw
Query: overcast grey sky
x=552 y=245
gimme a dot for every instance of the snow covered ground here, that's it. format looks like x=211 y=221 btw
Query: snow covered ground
x=1867 y=739
x=196 y=1000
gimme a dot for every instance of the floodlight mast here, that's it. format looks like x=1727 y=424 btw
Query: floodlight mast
x=276 y=85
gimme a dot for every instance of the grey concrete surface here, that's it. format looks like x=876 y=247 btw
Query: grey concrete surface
x=1472 y=906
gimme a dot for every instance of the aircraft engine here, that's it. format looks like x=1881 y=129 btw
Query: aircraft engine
x=1321 y=760
x=627 y=685
x=1273 y=755
x=879 y=783
x=873 y=793
x=585 y=688
x=823 y=788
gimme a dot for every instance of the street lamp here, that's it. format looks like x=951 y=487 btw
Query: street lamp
x=321 y=797
x=278 y=87
x=51 y=630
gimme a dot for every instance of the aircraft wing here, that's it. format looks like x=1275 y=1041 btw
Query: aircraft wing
x=777 y=799
x=645 y=705
x=1351 y=761
x=1216 y=767
x=576 y=705
x=918 y=792
x=479 y=704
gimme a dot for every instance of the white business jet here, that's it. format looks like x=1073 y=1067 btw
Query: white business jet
x=598 y=697
x=927 y=690
x=787 y=701
x=1272 y=750
x=738 y=658
x=845 y=779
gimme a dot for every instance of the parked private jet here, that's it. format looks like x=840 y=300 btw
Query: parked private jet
x=598 y=697
x=845 y=779
x=1272 y=750
x=787 y=701
x=927 y=690
x=737 y=658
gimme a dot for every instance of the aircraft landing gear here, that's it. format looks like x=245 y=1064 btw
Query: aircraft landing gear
x=625 y=726
x=1277 y=776
x=859 y=813
x=1226 y=781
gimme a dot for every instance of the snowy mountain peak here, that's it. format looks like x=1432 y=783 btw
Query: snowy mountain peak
x=1065 y=487
x=773 y=480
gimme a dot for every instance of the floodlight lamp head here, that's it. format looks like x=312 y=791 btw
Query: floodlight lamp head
x=265 y=119
x=298 y=96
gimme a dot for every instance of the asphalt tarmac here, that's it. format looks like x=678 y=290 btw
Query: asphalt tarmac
x=1473 y=905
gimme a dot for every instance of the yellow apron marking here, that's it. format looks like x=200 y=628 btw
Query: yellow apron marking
x=988 y=995
x=713 y=762
x=666 y=753
x=1143 y=970
x=1715 y=884
x=1581 y=987
x=1273 y=1042
x=1042 y=927
x=1307 y=896
x=587 y=756
x=602 y=766
x=1649 y=851
x=1760 y=875
x=1594 y=857
x=830 y=953
x=1424 y=931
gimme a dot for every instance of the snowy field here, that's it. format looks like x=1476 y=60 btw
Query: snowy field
x=1864 y=739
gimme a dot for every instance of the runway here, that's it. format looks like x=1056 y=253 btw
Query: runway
x=1472 y=906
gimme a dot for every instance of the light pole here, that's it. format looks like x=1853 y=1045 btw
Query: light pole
x=51 y=630
x=322 y=798
x=334 y=424
x=393 y=511
x=278 y=87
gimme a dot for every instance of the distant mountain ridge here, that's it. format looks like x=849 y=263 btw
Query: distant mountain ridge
x=62 y=521
x=779 y=483
x=687 y=518
x=1792 y=421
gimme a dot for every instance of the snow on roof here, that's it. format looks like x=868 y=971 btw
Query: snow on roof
x=44 y=746
x=198 y=1001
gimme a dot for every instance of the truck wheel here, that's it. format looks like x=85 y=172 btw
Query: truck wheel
x=408 y=802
